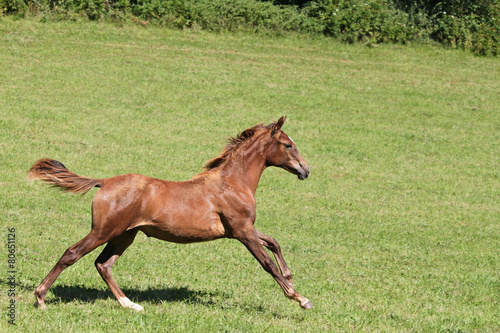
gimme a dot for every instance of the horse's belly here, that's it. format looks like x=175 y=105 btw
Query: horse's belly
x=189 y=232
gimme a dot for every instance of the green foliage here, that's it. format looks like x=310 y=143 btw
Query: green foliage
x=467 y=24
x=473 y=26
x=223 y=15
x=362 y=19
x=12 y=7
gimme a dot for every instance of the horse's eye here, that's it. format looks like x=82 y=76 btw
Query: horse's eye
x=288 y=146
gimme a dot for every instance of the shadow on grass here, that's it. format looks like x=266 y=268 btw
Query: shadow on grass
x=80 y=293
x=67 y=294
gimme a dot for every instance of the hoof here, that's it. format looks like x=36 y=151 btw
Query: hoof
x=136 y=307
x=307 y=305
x=126 y=303
x=40 y=301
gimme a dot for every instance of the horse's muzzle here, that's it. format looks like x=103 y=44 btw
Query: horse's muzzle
x=303 y=172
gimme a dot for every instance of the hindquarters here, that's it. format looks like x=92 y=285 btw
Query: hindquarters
x=121 y=202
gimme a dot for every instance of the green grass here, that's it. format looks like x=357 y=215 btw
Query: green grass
x=397 y=229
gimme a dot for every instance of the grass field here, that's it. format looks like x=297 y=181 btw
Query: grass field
x=397 y=228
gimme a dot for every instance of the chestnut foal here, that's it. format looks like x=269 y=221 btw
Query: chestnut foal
x=217 y=203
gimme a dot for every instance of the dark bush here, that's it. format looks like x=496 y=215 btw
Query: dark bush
x=12 y=7
x=356 y=20
x=468 y=24
x=227 y=15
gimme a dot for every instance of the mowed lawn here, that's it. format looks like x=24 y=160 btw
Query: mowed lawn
x=396 y=229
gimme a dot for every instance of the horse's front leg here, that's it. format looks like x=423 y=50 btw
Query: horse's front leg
x=253 y=243
x=274 y=247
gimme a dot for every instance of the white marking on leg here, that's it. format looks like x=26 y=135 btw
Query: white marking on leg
x=126 y=303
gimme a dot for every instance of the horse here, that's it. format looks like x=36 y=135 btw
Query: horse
x=217 y=203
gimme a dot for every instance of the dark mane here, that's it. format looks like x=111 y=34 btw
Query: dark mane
x=233 y=144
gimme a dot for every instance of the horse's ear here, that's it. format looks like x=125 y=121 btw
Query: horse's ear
x=277 y=126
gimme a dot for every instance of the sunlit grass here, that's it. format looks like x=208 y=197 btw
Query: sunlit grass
x=396 y=229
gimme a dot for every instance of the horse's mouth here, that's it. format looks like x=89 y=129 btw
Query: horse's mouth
x=303 y=172
x=303 y=175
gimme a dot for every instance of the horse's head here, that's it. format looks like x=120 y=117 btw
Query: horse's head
x=283 y=152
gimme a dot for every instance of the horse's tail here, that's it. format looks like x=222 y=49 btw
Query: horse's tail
x=55 y=173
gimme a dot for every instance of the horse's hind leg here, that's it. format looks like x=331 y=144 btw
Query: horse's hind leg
x=106 y=260
x=70 y=256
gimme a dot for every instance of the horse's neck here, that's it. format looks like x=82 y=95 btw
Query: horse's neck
x=246 y=167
